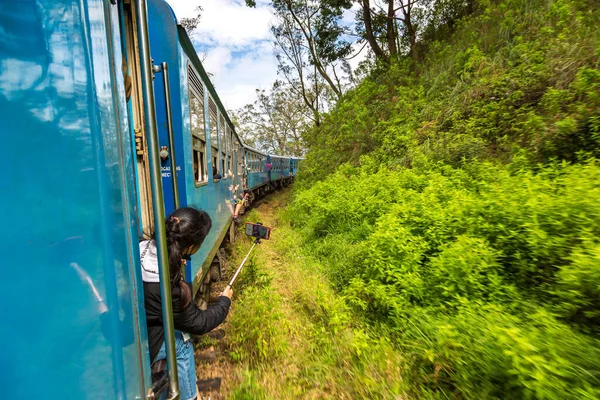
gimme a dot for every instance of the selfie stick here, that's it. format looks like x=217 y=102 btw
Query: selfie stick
x=257 y=241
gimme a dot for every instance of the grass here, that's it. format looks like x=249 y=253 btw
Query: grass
x=290 y=336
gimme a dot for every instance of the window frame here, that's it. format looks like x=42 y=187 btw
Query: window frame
x=196 y=92
x=215 y=157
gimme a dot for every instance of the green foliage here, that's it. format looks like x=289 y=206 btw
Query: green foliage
x=578 y=285
x=454 y=203
x=258 y=329
x=518 y=75
x=487 y=279
x=485 y=352
x=249 y=389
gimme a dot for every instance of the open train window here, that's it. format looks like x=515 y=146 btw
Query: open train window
x=214 y=137
x=197 y=127
x=223 y=145
x=229 y=149
x=199 y=149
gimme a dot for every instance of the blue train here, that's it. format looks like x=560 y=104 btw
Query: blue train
x=109 y=122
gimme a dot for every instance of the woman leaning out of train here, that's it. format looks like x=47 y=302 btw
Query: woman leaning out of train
x=186 y=229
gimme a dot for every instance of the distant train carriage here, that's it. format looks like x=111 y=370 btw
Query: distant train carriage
x=256 y=169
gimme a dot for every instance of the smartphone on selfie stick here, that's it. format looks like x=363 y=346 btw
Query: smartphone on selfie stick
x=257 y=231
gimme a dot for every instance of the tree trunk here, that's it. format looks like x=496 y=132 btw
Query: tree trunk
x=306 y=31
x=411 y=32
x=369 y=32
x=391 y=29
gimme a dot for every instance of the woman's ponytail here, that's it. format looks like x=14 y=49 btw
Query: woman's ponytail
x=186 y=227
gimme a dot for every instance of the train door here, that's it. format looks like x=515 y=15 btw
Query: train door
x=131 y=67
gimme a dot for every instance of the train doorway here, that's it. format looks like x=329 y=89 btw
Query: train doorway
x=131 y=68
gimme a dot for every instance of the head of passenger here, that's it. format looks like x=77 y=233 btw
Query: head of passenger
x=186 y=229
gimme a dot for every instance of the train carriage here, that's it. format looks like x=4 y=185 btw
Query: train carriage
x=72 y=323
x=112 y=123
x=256 y=169
x=205 y=141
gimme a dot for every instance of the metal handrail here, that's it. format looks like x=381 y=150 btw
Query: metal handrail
x=157 y=198
x=165 y=72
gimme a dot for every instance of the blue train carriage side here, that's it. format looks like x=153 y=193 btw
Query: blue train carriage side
x=257 y=176
x=207 y=149
x=295 y=165
x=73 y=326
x=287 y=168
x=276 y=169
x=284 y=170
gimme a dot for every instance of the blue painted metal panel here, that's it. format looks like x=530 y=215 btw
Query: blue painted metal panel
x=277 y=172
x=260 y=177
x=212 y=197
x=69 y=207
x=164 y=48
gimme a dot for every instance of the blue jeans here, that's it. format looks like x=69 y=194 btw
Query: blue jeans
x=186 y=366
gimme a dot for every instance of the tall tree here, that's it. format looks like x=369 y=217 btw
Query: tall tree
x=275 y=121
x=293 y=65
x=315 y=27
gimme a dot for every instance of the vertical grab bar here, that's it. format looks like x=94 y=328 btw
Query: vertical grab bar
x=165 y=71
x=157 y=199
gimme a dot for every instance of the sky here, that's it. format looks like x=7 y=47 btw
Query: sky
x=237 y=45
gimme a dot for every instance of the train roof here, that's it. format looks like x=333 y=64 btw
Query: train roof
x=255 y=150
x=187 y=45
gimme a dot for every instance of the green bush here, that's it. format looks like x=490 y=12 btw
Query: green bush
x=488 y=279
x=454 y=203
x=257 y=336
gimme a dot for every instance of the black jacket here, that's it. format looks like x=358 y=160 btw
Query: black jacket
x=190 y=320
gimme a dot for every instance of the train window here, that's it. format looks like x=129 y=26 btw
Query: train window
x=197 y=127
x=199 y=150
x=223 y=145
x=230 y=148
x=214 y=136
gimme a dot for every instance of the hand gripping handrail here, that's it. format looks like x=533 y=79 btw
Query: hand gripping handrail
x=157 y=194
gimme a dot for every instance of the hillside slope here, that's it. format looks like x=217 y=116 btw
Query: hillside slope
x=454 y=204
x=517 y=78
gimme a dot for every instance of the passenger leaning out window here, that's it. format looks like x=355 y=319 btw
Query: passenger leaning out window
x=186 y=229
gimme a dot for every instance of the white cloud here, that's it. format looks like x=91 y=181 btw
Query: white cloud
x=226 y=22
x=217 y=59
x=238 y=81
x=237 y=43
